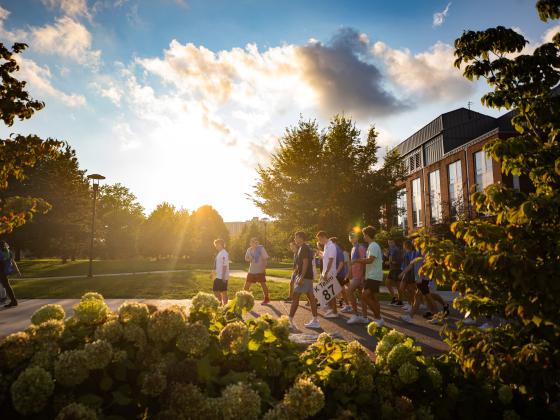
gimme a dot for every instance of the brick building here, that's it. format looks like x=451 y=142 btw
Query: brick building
x=445 y=163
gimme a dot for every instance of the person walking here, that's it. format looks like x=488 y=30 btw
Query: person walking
x=407 y=284
x=7 y=267
x=220 y=274
x=341 y=276
x=304 y=281
x=294 y=249
x=329 y=267
x=356 y=273
x=373 y=278
x=257 y=258
x=394 y=261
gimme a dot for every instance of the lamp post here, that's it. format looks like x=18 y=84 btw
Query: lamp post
x=95 y=178
x=265 y=220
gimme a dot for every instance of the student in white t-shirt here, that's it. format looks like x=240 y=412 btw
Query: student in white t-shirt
x=329 y=267
x=220 y=274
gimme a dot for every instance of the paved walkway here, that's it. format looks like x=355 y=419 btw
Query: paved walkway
x=426 y=335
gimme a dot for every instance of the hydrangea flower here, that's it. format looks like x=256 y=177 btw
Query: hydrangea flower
x=510 y=415
x=153 y=381
x=188 y=398
x=304 y=399
x=399 y=355
x=111 y=331
x=505 y=395
x=135 y=335
x=32 y=390
x=48 y=312
x=435 y=377
x=165 y=325
x=240 y=401
x=358 y=355
x=244 y=301
x=234 y=337
x=119 y=356
x=281 y=327
x=92 y=296
x=91 y=312
x=14 y=349
x=424 y=413
x=134 y=312
x=75 y=411
x=205 y=303
x=99 y=354
x=70 y=368
x=194 y=339
x=46 y=355
x=408 y=373
x=50 y=330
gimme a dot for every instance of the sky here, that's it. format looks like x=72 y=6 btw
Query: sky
x=180 y=100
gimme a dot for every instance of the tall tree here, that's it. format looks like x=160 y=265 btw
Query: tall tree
x=206 y=225
x=326 y=180
x=507 y=263
x=158 y=234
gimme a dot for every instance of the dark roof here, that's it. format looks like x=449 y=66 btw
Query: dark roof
x=456 y=128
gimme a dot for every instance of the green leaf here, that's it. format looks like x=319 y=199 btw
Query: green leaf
x=254 y=345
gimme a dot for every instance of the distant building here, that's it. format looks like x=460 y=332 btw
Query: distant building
x=445 y=161
x=235 y=228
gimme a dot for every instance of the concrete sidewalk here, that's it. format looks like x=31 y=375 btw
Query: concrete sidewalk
x=426 y=335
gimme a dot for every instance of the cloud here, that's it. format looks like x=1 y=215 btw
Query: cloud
x=550 y=32
x=343 y=80
x=439 y=17
x=39 y=79
x=126 y=137
x=428 y=75
x=72 y=8
x=66 y=38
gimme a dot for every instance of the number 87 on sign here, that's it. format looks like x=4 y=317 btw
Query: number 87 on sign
x=326 y=290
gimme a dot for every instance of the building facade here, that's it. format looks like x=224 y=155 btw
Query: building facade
x=445 y=163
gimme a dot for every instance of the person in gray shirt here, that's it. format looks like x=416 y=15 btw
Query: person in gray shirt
x=257 y=258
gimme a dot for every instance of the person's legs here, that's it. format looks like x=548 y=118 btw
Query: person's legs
x=9 y=291
x=389 y=285
x=265 y=290
x=224 y=297
x=247 y=285
x=352 y=296
x=313 y=304
x=295 y=304
x=370 y=299
x=437 y=298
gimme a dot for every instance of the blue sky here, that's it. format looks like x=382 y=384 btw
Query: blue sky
x=181 y=99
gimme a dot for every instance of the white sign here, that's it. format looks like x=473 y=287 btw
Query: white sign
x=326 y=290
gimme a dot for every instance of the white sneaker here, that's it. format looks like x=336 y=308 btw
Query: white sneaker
x=379 y=322
x=486 y=326
x=469 y=321
x=364 y=320
x=313 y=324
x=347 y=309
x=330 y=315
x=406 y=318
x=406 y=307
x=354 y=319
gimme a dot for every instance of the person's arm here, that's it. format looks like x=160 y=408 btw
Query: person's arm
x=366 y=260
x=248 y=256
x=265 y=257
x=303 y=271
x=224 y=268
x=330 y=264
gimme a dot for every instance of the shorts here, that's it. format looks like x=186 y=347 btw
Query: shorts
x=356 y=284
x=372 y=285
x=394 y=274
x=256 y=278
x=424 y=287
x=409 y=278
x=305 y=288
x=219 y=285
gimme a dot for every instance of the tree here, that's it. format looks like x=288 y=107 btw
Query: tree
x=327 y=180
x=507 y=263
x=63 y=231
x=158 y=234
x=240 y=243
x=206 y=225
x=120 y=218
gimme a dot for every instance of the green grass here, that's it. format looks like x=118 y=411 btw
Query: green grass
x=284 y=273
x=55 y=268
x=138 y=286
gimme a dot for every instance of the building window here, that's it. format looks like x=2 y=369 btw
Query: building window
x=414 y=162
x=416 y=203
x=435 y=197
x=483 y=170
x=456 y=200
x=401 y=210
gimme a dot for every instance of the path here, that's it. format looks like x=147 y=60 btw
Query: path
x=426 y=335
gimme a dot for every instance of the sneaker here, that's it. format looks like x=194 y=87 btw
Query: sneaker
x=265 y=302
x=313 y=324
x=379 y=322
x=347 y=309
x=406 y=307
x=398 y=303
x=469 y=321
x=393 y=301
x=406 y=318
x=12 y=304
x=428 y=315
x=364 y=320
x=330 y=315
x=354 y=319
x=293 y=326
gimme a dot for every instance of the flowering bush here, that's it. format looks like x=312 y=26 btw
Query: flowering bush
x=234 y=337
x=194 y=339
x=99 y=354
x=70 y=368
x=91 y=311
x=240 y=401
x=48 y=312
x=76 y=411
x=165 y=325
x=134 y=312
x=31 y=390
x=15 y=349
x=204 y=304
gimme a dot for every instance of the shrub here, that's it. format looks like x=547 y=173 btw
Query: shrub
x=47 y=313
x=31 y=390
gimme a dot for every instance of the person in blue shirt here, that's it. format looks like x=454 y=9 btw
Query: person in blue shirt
x=7 y=267
x=407 y=284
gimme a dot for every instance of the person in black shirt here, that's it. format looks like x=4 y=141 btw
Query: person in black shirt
x=294 y=249
x=304 y=280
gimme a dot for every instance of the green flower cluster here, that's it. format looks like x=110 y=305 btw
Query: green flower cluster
x=47 y=313
x=70 y=368
x=45 y=356
x=111 y=331
x=92 y=296
x=205 y=303
x=32 y=390
x=399 y=355
x=15 y=349
x=134 y=312
x=99 y=354
x=304 y=399
x=165 y=325
x=244 y=301
x=134 y=334
x=194 y=339
x=154 y=381
x=234 y=337
x=50 y=330
x=76 y=411
x=408 y=373
x=91 y=311
x=187 y=401
x=240 y=401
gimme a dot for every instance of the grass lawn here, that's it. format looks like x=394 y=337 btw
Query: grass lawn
x=139 y=286
x=55 y=268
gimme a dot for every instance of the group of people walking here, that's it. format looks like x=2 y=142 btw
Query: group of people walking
x=359 y=273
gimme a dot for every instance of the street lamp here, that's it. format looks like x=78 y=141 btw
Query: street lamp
x=265 y=220
x=95 y=178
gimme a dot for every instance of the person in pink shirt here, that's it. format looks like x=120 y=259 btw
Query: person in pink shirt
x=356 y=274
